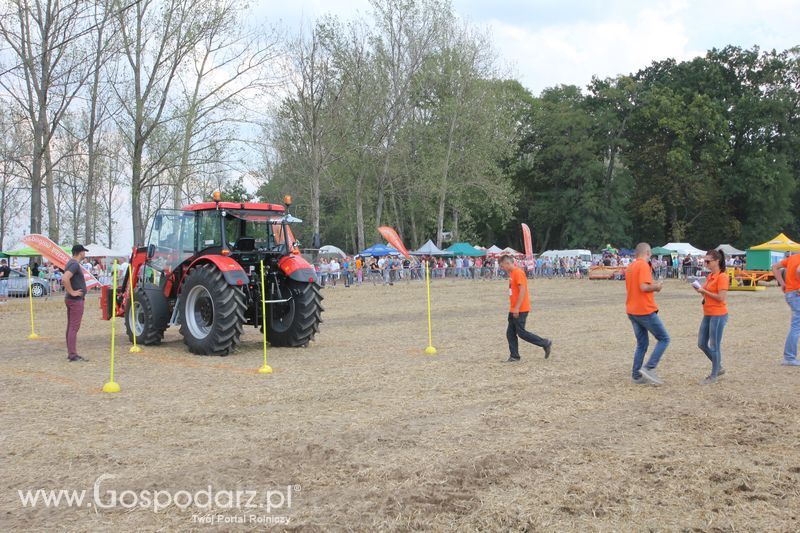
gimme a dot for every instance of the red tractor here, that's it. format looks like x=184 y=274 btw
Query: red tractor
x=201 y=270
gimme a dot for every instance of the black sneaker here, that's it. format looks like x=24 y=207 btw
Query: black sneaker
x=77 y=358
x=547 y=349
x=512 y=360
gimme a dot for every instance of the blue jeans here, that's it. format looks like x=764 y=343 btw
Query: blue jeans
x=642 y=326
x=790 y=349
x=3 y=287
x=709 y=340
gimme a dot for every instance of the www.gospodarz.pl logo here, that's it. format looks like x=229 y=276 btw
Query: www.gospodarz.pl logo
x=264 y=501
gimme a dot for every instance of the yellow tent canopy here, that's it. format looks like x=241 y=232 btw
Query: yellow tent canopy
x=781 y=243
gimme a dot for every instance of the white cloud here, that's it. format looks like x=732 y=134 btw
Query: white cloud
x=572 y=53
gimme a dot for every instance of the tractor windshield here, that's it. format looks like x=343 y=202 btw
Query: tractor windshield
x=172 y=241
x=263 y=226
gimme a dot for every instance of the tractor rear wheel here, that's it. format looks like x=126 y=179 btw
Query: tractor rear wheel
x=294 y=323
x=212 y=312
x=142 y=318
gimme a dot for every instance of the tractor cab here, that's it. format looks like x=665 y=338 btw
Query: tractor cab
x=247 y=233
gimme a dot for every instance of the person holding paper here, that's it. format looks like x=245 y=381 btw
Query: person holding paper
x=643 y=314
x=715 y=312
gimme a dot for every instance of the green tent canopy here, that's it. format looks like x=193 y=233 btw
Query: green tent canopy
x=660 y=250
x=464 y=248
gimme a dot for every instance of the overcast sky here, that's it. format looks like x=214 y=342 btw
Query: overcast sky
x=548 y=42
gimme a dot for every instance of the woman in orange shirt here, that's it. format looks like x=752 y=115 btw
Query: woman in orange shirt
x=715 y=313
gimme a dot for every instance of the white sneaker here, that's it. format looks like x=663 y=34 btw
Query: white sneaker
x=651 y=376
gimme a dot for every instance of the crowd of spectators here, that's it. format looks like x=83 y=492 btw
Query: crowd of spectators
x=388 y=270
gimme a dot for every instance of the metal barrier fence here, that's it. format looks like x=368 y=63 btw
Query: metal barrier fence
x=18 y=285
x=409 y=274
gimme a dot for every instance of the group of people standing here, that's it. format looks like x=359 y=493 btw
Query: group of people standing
x=642 y=312
x=643 y=315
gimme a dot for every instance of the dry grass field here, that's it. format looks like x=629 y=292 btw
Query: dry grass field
x=371 y=434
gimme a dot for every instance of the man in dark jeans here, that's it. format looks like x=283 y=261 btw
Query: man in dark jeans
x=75 y=293
x=518 y=314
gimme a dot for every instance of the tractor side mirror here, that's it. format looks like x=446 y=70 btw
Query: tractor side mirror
x=151 y=251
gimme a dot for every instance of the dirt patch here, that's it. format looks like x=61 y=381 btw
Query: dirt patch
x=372 y=434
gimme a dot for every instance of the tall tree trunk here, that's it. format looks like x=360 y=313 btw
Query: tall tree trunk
x=91 y=204
x=379 y=204
x=136 y=194
x=53 y=229
x=2 y=215
x=414 y=234
x=381 y=194
x=546 y=239
x=183 y=170
x=443 y=185
x=36 y=182
x=315 y=214
x=76 y=218
x=91 y=194
x=110 y=219
x=360 y=210
x=398 y=221
x=675 y=230
x=456 y=236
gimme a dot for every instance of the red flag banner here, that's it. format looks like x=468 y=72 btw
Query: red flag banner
x=394 y=239
x=56 y=255
x=526 y=237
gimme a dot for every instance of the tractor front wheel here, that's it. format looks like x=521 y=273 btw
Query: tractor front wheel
x=212 y=312
x=295 y=322
x=142 y=318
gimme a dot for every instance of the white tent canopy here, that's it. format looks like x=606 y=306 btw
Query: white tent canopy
x=510 y=251
x=683 y=248
x=332 y=250
x=729 y=250
x=98 y=250
x=494 y=250
x=558 y=254
x=428 y=249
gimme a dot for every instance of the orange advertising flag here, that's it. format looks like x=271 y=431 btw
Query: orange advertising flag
x=526 y=236
x=394 y=239
x=53 y=253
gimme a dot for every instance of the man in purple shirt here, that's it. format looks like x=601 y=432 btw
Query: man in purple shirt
x=75 y=293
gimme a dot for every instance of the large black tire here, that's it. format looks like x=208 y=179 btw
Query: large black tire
x=211 y=311
x=295 y=323
x=149 y=332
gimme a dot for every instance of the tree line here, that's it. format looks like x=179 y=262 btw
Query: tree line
x=107 y=100
x=402 y=116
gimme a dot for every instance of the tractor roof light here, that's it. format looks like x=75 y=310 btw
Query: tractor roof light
x=287 y=200
x=217 y=196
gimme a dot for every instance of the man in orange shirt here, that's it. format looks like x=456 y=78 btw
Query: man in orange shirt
x=791 y=289
x=518 y=313
x=643 y=314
